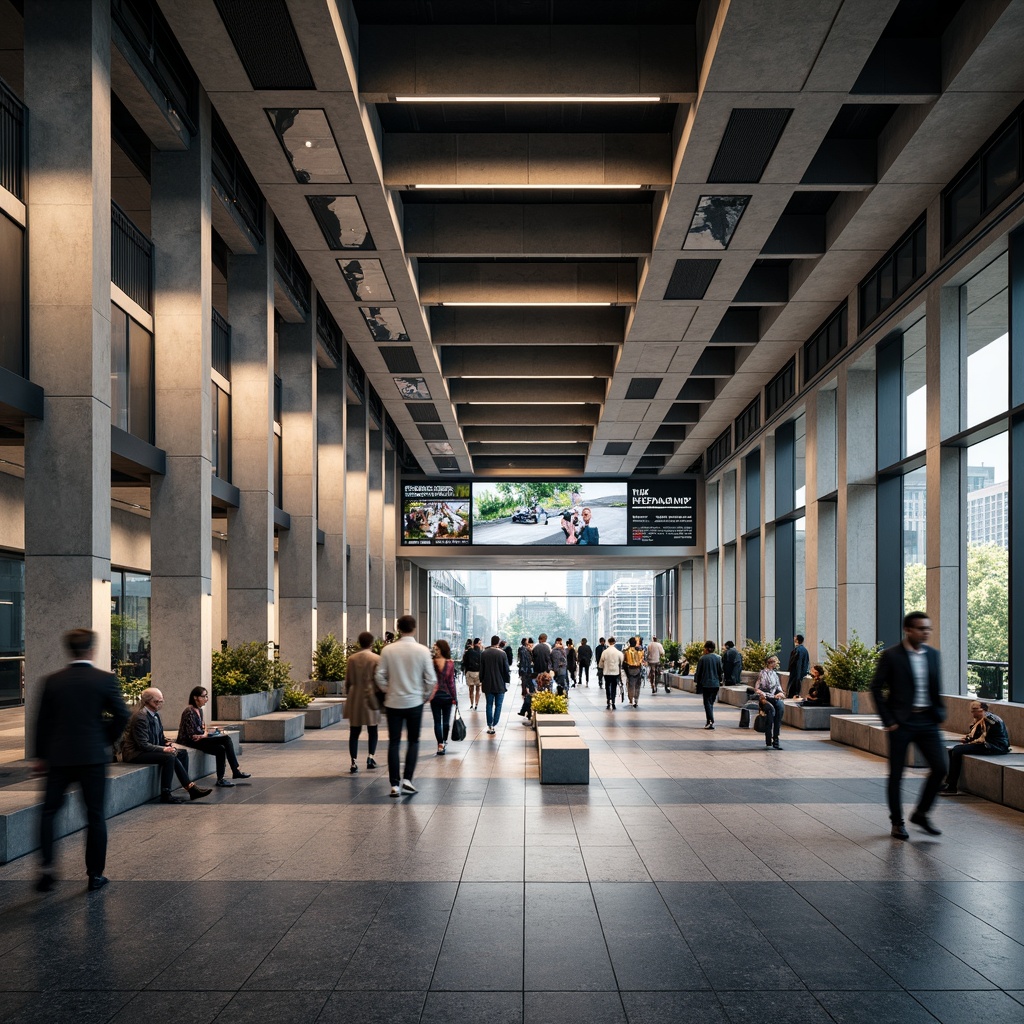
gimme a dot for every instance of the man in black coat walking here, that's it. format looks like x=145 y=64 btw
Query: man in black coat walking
x=906 y=692
x=72 y=743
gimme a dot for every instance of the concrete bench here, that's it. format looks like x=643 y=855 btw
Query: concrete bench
x=1013 y=784
x=564 y=760
x=736 y=696
x=539 y=721
x=983 y=774
x=324 y=712
x=802 y=716
x=277 y=727
x=866 y=732
x=552 y=731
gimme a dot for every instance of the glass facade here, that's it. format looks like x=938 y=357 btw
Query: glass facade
x=131 y=375
x=130 y=623
x=915 y=388
x=985 y=343
x=12 y=629
x=12 y=296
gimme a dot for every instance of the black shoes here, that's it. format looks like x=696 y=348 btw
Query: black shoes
x=921 y=820
x=370 y=763
x=241 y=775
x=776 y=745
x=167 y=798
x=949 y=791
x=899 y=830
x=45 y=882
x=97 y=882
x=195 y=793
x=353 y=767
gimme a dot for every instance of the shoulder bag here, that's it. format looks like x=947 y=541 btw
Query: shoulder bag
x=458 y=727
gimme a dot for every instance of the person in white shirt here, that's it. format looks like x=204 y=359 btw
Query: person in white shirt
x=406 y=675
x=655 y=652
x=610 y=665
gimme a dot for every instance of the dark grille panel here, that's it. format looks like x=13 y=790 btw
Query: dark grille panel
x=748 y=143
x=643 y=387
x=267 y=46
x=617 y=447
x=424 y=413
x=401 y=359
x=446 y=463
x=432 y=432
x=650 y=462
x=691 y=278
x=660 y=448
x=670 y=432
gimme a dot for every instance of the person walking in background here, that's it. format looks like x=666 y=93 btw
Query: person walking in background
x=610 y=665
x=560 y=665
x=708 y=680
x=406 y=674
x=799 y=666
x=769 y=694
x=732 y=665
x=494 y=679
x=445 y=696
x=906 y=693
x=633 y=664
x=71 y=743
x=541 y=655
x=193 y=733
x=653 y=655
x=527 y=684
x=570 y=661
x=362 y=705
x=471 y=666
x=585 y=655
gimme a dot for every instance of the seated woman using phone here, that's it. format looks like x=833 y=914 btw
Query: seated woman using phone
x=193 y=733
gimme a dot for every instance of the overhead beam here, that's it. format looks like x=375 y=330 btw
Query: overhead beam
x=613 y=282
x=509 y=325
x=528 y=434
x=532 y=449
x=482 y=414
x=527 y=60
x=553 y=159
x=527 y=361
x=536 y=384
x=611 y=231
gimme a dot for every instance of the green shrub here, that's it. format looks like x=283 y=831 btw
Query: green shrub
x=672 y=650
x=294 y=699
x=247 y=669
x=851 y=666
x=131 y=689
x=547 y=703
x=692 y=653
x=330 y=658
x=757 y=652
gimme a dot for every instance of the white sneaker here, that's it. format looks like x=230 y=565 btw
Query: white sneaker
x=408 y=787
x=395 y=791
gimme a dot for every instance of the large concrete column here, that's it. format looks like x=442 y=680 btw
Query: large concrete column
x=357 y=590
x=67 y=453
x=330 y=573
x=391 y=582
x=181 y=521
x=375 y=529
x=296 y=548
x=251 y=525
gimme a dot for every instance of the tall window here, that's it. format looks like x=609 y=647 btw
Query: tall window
x=221 y=426
x=130 y=623
x=12 y=629
x=12 y=296
x=914 y=388
x=985 y=343
x=131 y=375
x=915 y=492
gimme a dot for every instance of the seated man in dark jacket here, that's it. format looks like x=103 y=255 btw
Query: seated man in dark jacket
x=818 y=696
x=987 y=735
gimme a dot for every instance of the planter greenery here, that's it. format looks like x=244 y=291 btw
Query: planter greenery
x=851 y=666
x=692 y=653
x=757 y=652
x=295 y=698
x=671 y=652
x=330 y=658
x=247 y=669
x=132 y=689
x=546 y=703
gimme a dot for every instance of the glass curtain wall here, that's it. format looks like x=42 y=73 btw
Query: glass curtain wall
x=130 y=623
x=12 y=630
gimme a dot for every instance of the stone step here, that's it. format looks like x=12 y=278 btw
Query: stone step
x=276 y=727
x=801 y=716
x=324 y=712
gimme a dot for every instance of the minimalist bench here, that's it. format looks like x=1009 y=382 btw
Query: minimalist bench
x=277 y=727
x=802 y=716
x=736 y=696
x=866 y=732
x=564 y=760
x=324 y=712
x=1013 y=784
x=984 y=774
x=539 y=721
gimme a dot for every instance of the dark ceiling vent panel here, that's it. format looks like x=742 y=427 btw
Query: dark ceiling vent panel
x=446 y=464
x=643 y=387
x=432 y=432
x=618 y=447
x=670 y=432
x=423 y=412
x=691 y=278
x=267 y=45
x=660 y=448
x=748 y=143
x=650 y=462
x=401 y=359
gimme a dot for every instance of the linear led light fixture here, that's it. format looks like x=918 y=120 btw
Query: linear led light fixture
x=518 y=401
x=528 y=99
x=560 y=185
x=545 y=304
x=525 y=376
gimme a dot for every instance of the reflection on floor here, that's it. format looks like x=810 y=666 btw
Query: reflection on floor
x=698 y=878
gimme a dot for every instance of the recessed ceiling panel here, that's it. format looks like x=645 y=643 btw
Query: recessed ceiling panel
x=691 y=278
x=366 y=280
x=617 y=447
x=643 y=387
x=341 y=221
x=309 y=144
x=385 y=323
x=432 y=431
x=440 y=448
x=267 y=45
x=412 y=389
x=748 y=143
x=401 y=359
x=714 y=221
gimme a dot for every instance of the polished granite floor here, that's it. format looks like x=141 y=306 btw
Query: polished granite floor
x=697 y=878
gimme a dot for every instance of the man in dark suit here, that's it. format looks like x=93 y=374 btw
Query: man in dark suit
x=906 y=692
x=72 y=744
x=799 y=666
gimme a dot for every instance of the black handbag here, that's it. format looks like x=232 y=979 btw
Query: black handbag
x=761 y=722
x=458 y=726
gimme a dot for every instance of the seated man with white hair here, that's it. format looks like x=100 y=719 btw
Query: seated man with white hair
x=144 y=742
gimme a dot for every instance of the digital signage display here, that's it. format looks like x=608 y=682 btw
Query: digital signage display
x=436 y=514
x=663 y=513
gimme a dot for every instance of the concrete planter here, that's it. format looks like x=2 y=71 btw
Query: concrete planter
x=242 y=707
x=857 y=702
x=333 y=687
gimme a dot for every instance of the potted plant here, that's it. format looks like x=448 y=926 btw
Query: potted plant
x=544 y=702
x=246 y=682
x=849 y=669
x=692 y=654
x=295 y=698
x=755 y=656
x=671 y=657
x=330 y=658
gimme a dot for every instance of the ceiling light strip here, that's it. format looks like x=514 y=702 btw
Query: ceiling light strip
x=521 y=303
x=529 y=99
x=561 y=185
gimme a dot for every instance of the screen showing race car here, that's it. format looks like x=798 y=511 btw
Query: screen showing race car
x=581 y=513
x=436 y=514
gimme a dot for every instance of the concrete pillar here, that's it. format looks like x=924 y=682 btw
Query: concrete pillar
x=392 y=591
x=856 y=510
x=67 y=454
x=181 y=521
x=356 y=528
x=251 y=525
x=330 y=572
x=767 y=539
x=945 y=472
x=297 y=548
x=375 y=530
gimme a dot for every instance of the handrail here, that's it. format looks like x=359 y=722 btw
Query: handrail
x=12 y=142
x=131 y=258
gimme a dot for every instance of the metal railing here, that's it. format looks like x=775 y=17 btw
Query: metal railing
x=290 y=268
x=12 y=680
x=234 y=178
x=221 y=345
x=12 y=142
x=988 y=680
x=131 y=259
x=329 y=332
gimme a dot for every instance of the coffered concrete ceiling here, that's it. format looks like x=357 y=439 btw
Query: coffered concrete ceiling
x=597 y=227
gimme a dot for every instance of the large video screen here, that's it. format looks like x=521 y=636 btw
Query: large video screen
x=663 y=513
x=436 y=514
x=528 y=513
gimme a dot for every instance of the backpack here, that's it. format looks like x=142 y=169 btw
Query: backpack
x=634 y=657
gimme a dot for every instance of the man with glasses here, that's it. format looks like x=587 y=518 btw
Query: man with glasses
x=906 y=692
x=145 y=743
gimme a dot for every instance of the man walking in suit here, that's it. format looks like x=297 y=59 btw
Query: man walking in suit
x=906 y=692
x=494 y=678
x=72 y=744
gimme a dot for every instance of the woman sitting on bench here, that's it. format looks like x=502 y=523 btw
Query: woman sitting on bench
x=818 y=696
